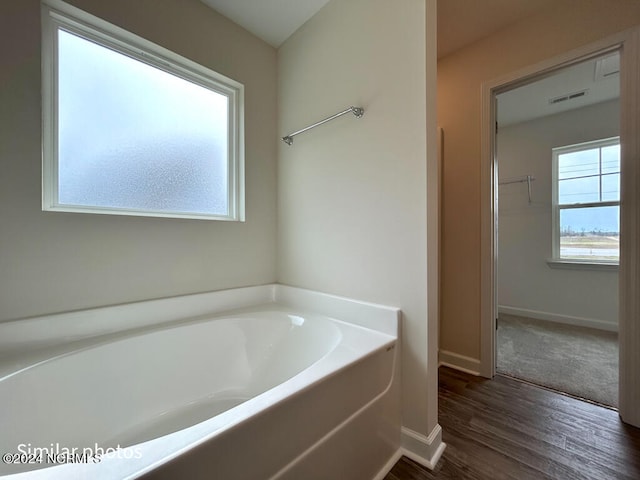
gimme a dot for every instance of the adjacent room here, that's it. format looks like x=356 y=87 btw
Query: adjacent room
x=558 y=155
x=505 y=426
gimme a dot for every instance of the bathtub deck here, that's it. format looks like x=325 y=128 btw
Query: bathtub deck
x=155 y=372
x=506 y=429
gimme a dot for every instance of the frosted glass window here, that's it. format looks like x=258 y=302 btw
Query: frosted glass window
x=587 y=201
x=138 y=133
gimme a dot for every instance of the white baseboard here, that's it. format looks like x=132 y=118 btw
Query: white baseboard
x=459 y=362
x=553 y=317
x=424 y=450
x=389 y=465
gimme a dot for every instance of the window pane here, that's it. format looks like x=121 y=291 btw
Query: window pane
x=611 y=187
x=579 y=190
x=611 y=159
x=133 y=136
x=579 y=164
x=591 y=233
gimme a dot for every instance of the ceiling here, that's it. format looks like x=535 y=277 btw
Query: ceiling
x=462 y=22
x=590 y=82
x=271 y=20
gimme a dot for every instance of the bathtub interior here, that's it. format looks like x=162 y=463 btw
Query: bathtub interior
x=152 y=386
x=134 y=389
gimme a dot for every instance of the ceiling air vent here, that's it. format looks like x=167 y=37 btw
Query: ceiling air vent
x=568 y=96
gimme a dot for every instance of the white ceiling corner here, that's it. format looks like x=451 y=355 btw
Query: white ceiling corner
x=270 y=20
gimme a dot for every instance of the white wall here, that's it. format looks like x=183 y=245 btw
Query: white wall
x=353 y=193
x=525 y=280
x=52 y=261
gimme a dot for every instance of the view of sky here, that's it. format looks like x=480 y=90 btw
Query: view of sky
x=588 y=176
x=596 y=219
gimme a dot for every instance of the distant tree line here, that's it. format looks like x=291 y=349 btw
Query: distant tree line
x=568 y=231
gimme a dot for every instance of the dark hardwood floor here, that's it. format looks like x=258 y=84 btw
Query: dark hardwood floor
x=506 y=429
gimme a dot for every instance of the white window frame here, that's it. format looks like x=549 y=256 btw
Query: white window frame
x=60 y=15
x=556 y=260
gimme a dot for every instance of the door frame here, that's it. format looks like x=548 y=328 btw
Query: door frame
x=628 y=44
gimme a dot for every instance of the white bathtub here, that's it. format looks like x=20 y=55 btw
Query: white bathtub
x=257 y=393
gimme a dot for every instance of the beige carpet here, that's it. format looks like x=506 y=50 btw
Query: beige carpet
x=575 y=360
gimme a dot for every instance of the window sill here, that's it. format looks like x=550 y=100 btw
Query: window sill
x=582 y=265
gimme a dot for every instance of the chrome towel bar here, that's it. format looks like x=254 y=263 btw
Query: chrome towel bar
x=357 y=111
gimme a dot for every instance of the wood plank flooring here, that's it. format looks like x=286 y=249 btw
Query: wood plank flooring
x=506 y=429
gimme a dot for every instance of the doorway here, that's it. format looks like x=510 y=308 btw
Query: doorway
x=558 y=164
x=628 y=44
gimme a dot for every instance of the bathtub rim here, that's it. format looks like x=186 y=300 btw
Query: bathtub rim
x=252 y=408
x=17 y=335
x=390 y=345
x=357 y=314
